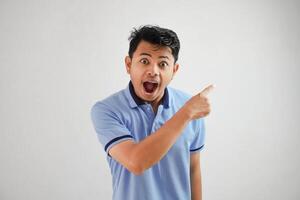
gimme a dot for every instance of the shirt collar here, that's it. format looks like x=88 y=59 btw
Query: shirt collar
x=139 y=101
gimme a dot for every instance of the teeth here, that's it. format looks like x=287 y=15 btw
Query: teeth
x=152 y=81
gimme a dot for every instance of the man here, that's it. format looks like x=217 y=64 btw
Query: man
x=153 y=133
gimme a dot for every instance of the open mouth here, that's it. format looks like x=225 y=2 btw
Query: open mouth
x=149 y=86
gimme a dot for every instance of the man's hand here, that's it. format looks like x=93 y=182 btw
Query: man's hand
x=198 y=106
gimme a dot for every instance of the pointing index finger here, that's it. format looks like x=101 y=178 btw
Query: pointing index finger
x=207 y=90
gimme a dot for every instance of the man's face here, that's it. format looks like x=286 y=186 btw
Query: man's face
x=151 y=69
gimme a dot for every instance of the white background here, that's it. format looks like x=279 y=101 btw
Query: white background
x=57 y=58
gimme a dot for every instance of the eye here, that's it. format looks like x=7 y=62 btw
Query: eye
x=163 y=64
x=144 y=61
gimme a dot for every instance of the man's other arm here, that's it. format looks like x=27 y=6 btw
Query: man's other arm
x=195 y=177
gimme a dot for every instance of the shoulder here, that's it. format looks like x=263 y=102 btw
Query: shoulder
x=178 y=96
x=112 y=103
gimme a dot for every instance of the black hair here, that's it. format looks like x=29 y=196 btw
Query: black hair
x=154 y=35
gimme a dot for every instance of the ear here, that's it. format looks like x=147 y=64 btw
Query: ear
x=175 y=69
x=128 y=64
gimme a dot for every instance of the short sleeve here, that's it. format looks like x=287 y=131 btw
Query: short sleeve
x=108 y=126
x=199 y=140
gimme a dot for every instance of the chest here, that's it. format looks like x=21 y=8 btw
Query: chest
x=144 y=122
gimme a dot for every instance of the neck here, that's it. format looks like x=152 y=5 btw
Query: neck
x=155 y=105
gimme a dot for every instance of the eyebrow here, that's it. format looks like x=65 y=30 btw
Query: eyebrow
x=147 y=54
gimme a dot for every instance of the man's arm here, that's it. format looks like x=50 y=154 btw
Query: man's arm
x=195 y=176
x=138 y=157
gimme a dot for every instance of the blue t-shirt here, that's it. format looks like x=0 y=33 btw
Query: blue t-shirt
x=123 y=116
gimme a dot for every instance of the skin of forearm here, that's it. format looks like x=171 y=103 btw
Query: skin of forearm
x=152 y=149
x=196 y=184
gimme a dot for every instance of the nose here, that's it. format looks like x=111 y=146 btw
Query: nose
x=153 y=70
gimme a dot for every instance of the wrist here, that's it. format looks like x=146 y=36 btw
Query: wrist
x=185 y=114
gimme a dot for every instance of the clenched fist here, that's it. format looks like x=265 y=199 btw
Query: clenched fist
x=198 y=106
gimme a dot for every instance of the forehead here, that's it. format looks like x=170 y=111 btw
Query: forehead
x=152 y=49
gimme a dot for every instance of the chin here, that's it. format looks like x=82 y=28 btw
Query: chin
x=151 y=96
